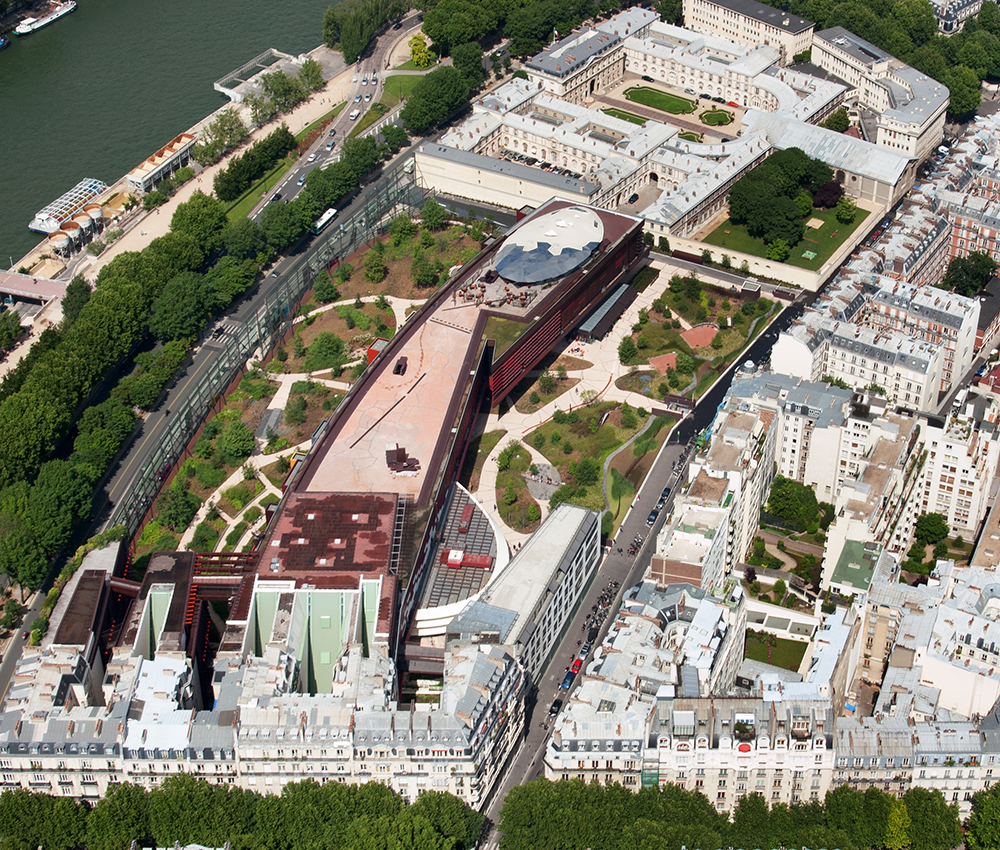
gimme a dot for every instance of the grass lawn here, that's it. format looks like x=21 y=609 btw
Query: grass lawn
x=409 y=66
x=504 y=331
x=242 y=207
x=823 y=241
x=397 y=88
x=528 y=385
x=320 y=122
x=716 y=118
x=625 y=116
x=689 y=136
x=664 y=101
x=479 y=449
x=369 y=118
x=785 y=653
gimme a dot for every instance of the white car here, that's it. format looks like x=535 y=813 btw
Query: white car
x=374 y=79
x=368 y=97
x=302 y=180
x=312 y=157
x=354 y=115
x=357 y=97
x=364 y=81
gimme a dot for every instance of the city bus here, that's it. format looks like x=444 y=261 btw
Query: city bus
x=324 y=220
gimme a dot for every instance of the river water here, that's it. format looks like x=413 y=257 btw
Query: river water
x=99 y=90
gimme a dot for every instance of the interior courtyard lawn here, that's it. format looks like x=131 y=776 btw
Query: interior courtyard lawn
x=823 y=241
x=625 y=116
x=785 y=653
x=716 y=118
x=661 y=100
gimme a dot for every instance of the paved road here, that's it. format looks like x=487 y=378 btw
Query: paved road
x=318 y=155
x=627 y=571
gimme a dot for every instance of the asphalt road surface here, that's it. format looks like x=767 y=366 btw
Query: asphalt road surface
x=318 y=155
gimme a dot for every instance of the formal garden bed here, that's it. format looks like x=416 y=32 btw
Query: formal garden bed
x=326 y=342
x=516 y=506
x=533 y=393
x=659 y=332
x=690 y=136
x=577 y=444
x=659 y=99
x=411 y=259
x=716 y=117
x=631 y=117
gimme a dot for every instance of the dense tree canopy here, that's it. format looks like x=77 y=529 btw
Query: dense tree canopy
x=351 y=24
x=185 y=810
x=574 y=816
x=967 y=275
x=434 y=98
x=765 y=199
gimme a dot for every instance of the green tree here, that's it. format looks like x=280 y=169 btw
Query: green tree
x=311 y=75
x=627 y=352
x=244 y=239
x=182 y=308
x=778 y=250
x=177 y=505
x=964 y=89
x=202 y=218
x=402 y=229
x=120 y=817
x=448 y=816
x=235 y=444
x=22 y=557
x=283 y=91
x=58 y=499
x=76 y=298
x=280 y=225
x=839 y=121
x=795 y=503
x=434 y=98
x=546 y=383
x=375 y=267
x=969 y=274
x=468 y=58
x=934 y=824
x=419 y=54
x=325 y=290
x=897 y=833
x=983 y=829
x=587 y=471
x=325 y=352
x=846 y=210
x=930 y=528
x=433 y=216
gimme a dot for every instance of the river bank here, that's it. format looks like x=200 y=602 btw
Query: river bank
x=99 y=90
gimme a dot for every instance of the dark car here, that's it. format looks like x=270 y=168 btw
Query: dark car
x=647 y=79
x=704 y=96
x=397 y=25
x=634 y=198
x=719 y=99
x=567 y=681
x=665 y=493
x=652 y=517
x=554 y=709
